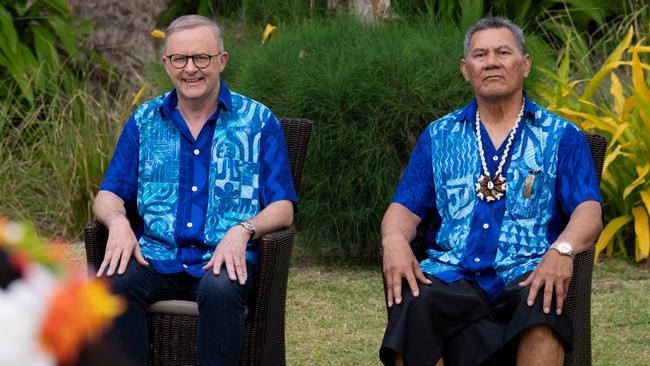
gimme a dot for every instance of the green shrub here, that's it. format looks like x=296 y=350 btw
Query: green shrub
x=53 y=159
x=370 y=91
x=253 y=11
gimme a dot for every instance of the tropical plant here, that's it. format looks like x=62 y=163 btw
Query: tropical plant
x=615 y=102
x=37 y=37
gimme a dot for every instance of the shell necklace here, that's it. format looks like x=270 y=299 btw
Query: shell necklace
x=492 y=188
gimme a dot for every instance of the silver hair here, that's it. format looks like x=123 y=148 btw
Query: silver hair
x=193 y=21
x=492 y=23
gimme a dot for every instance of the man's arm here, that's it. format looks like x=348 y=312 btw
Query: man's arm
x=398 y=228
x=122 y=243
x=555 y=270
x=231 y=251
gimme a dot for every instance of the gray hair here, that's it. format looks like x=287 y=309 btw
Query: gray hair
x=193 y=21
x=492 y=23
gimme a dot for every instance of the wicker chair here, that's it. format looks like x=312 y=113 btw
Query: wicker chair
x=172 y=324
x=578 y=302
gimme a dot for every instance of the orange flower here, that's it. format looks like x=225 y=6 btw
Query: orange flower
x=78 y=310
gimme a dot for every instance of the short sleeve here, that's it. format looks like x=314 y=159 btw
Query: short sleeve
x=576 y=176
x=122 y=174
x=275 y=172
x=416 y=190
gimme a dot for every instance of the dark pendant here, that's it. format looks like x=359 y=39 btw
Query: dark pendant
x=491 y=188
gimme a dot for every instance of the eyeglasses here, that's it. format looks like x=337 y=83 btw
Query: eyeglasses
x=201 y=61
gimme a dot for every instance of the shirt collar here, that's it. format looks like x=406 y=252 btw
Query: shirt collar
x=171 y=100
x=468 y=113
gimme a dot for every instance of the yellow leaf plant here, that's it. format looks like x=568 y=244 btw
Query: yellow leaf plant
x=620 y=112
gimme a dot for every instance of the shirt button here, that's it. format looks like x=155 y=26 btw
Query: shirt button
x=486 y=226
x=195 y=188
x=477 y=259
x=495 y=158
x=185 y=266
x=189 y=224
x=196 y=151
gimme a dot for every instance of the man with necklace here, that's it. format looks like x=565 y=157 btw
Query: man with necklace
x=512 y=194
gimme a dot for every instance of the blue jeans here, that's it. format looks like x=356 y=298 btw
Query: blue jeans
x=221 y=310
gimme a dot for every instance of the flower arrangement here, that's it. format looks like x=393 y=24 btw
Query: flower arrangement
x=48 y=310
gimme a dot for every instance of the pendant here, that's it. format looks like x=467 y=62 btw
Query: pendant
x=528 y=186
x=491 y=189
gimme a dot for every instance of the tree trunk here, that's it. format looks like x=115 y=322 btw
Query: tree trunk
x=121 y=33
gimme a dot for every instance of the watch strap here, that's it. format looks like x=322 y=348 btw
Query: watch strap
x=249 y=227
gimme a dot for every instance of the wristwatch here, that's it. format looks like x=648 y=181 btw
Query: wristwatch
x=249 y=227
x=564 y=248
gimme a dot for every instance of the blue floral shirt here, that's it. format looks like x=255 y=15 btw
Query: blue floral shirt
x=201 y=181
x=494 y=243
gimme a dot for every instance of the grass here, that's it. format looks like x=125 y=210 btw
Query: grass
x=620 y=314
x=336 y=316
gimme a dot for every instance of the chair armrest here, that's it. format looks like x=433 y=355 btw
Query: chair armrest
x=95 y=237
x=269 y=306
x=578 y=307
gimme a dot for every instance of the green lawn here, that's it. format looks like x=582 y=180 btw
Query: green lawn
x=336 y=316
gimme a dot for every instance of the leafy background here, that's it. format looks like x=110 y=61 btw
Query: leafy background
x=369 y=88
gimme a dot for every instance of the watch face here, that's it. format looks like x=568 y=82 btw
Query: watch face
x=564 y=247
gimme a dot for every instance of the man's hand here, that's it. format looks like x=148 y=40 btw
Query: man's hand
x=399 y=263
x=231 y=251
x=554 y=273
x=121 y=244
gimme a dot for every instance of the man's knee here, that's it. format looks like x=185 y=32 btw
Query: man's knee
x=220 y=289
x=130 y=282
x=538 y=335
x=540 y=345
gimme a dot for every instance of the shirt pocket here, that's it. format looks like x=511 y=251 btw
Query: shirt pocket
x=524 y=191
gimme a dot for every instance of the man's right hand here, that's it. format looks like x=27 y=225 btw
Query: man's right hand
x=121 y=244
x=399 y=264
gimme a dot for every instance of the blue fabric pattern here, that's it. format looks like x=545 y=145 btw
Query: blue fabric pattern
x=493 y=243
x=158 y=180
x=235 y=167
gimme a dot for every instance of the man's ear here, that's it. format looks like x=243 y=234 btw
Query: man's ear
x=166 y=65
x=528 y=63
x=463 y=69
x=223 y=60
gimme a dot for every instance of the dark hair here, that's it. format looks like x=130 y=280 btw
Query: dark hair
x=492 y=23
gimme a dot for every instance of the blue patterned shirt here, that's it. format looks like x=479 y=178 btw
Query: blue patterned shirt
x=199 y=171
x=494 y=243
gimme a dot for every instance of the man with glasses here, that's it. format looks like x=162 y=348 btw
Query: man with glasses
x=204 y=171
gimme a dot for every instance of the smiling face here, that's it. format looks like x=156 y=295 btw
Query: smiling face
x=494 y=66
x=195 y=85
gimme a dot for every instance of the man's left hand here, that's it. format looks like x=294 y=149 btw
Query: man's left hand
x=231 y=251
x=554 y=274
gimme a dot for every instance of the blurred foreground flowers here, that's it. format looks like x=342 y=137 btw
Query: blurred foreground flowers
x=48 y=310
